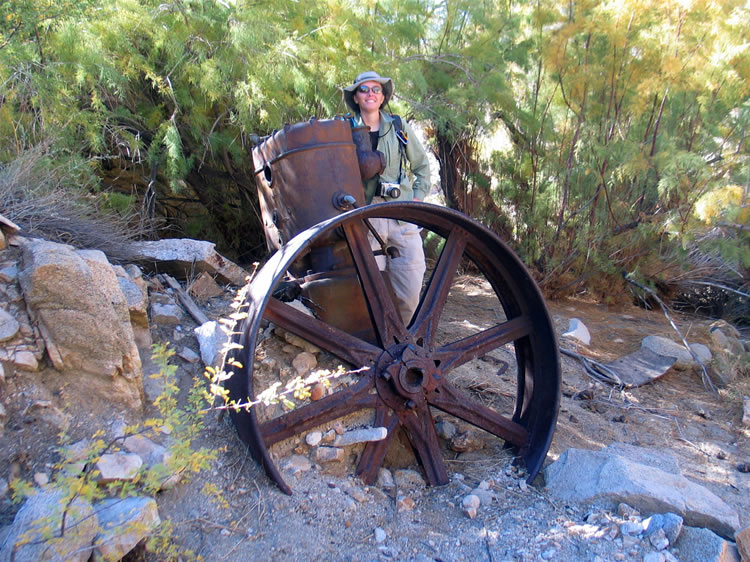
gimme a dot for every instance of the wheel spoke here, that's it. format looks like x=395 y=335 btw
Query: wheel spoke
x=459 y=352
x=375 y=451
x=344 y=346
x=449 y=399
x=387 y=320
x=423 y=437
x=301 y=419
x=431 y=306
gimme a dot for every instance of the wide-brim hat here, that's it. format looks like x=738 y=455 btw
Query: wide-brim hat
x=369 y=76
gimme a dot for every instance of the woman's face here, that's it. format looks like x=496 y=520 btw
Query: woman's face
x=369 y=101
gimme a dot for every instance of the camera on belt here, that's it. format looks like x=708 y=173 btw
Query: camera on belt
x=389 y=189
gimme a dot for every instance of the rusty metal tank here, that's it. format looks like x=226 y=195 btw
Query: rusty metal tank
x=303 y=172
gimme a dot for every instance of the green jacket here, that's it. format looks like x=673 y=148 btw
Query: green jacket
x=416 y=161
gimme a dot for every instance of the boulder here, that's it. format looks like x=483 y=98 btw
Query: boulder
x=35 y=531
x=123 y=523
x=604 y=476
x=743 y=543
x=668 y=348
x=701 y=545
x=183 y=257
x=82 y=314
x=133 y=287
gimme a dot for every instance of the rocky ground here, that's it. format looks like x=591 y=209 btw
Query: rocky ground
x=332 y=515
x=487 y=511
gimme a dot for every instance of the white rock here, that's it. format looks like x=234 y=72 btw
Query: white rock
x=379 y=535
x=668 y=348
x=118 y=466
x=166 y=314
x=313 y=438
x=578 y=330
x=211 y=339
x=361 y=436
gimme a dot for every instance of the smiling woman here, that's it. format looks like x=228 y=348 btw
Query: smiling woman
x=366 y=97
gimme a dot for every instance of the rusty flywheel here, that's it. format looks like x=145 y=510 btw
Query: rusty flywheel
x=406 y=373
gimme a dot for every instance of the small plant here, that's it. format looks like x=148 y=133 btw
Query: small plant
x=76 y=479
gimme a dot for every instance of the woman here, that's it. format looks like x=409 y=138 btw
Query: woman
x=366 y=97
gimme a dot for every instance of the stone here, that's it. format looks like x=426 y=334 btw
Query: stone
x=205 y=287
x=468 y=441
x=296 y=464
x=653 y=557
x=28 y=539
x=9 y=326
x=670 y=523
x=3 y=417
x=168 y=314
x=304 y=362
x=668 y=348
x=211 y=339
x=407 y=479
x=631 y=528
x=485 y=496
x=136 y=295
x=329 y=454
x=118 y=466
x=405 y=503
x=577 y=330
x=87 y=330
x=663 y=460
x=702 y=545
x=445 y=429
x=183 y=257
x=41 y=479
x=3 y=487
x=314 y=438
x=471 y=505
x=379 y=535
x=123 y=523
x=2 y=373
x=188 y=355
x=742 y=538
x=659 y=540
x=25 y=361
x=587 y=476
x=154 y=457
x=385 y=479
x=363 y=435
x=296 y=341
x=746 y=412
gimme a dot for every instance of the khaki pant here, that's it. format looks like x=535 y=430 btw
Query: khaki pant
x=406 y=272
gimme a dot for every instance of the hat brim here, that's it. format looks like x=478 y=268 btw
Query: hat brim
x=350 y=90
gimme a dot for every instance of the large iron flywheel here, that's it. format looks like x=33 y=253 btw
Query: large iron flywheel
x=408 y=374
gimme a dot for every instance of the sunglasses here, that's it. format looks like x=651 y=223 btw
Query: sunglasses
x=365 y=89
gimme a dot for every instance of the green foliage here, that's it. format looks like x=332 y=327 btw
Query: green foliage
x=617 y=114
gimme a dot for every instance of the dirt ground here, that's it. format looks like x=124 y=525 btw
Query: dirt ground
x=334 y=516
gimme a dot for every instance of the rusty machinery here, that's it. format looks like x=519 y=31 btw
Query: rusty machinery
x=312 y=202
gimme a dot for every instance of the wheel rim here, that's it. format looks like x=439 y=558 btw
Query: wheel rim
x=406 y=374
